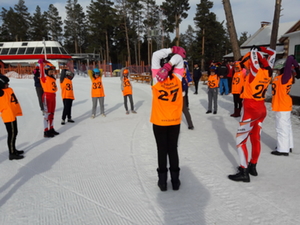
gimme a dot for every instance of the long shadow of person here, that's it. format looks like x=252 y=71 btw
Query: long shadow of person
x=36 y=166
x=138 y=105
x=187 y=205
x=118 y=105
x=225 y=138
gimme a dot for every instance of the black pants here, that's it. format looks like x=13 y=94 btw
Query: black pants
x=166 y=140
x=238 y=102
x=186 y=112
x=67 y=108
x=39 y=93
x=196 y=82
x=130 y=100
x=12 y=132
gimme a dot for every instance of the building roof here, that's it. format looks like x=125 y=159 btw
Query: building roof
x=263 y=35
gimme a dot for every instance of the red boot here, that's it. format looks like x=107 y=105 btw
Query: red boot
x=234 y=114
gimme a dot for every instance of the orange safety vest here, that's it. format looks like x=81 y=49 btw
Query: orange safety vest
x=238 y=81
x=167 y=100
x=281 y=100
x=9 y=106
x=213 y=81
x=67 y=89
x=49 y=84
x=127 y=89
x=257 y=89
x=97 y=88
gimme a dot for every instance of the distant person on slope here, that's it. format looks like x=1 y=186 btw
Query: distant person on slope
x=97 y=91
x=38 y=86
x=126 y=89
x=48 y=82
x=67 y=94
x=9 y=110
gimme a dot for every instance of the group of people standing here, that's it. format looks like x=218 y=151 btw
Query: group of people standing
x=248 y=84
x=252 y=76
x=46 y=88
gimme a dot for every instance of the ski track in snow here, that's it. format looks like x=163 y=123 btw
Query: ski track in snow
x=103 y=170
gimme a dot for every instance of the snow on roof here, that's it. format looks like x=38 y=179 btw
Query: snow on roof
x=279 y=50
x=263 y=35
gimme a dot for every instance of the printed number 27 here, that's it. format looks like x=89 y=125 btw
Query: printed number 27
x=164 y=95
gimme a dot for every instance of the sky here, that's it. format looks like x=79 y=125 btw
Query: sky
x=102 y=171
x=247 y=14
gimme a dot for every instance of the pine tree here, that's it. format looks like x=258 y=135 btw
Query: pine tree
x=22 y=18
x=38 y=29
x=175 y=11
x=74 y=26
x=9 y=24
x=54 y=23
x=102 y=21
x=211 y=34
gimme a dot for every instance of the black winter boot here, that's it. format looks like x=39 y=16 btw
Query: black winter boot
x=162 y=179
x=175 y=179
x=252 y=169
x=54 y=132
x=242 y=175
x=15 y=156
x=19 y=152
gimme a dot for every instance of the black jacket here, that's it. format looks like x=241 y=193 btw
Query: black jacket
x=197 y=73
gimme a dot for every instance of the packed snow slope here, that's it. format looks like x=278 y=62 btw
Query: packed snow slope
x=103 y=170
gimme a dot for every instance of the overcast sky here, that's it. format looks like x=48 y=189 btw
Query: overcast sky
x=247 y=14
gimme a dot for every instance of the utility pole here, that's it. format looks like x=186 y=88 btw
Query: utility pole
x=275 y=25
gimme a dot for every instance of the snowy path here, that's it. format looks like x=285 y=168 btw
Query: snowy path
x=103 y=170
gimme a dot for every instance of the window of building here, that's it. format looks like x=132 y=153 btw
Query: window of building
x=4 y=51
x=38 y=50
x=29 y=51
x=24 y=44
x=297 y=53
x=63 y=51
x=13 y=51
x=21 y=51
x=48 y=50
x=55 y=50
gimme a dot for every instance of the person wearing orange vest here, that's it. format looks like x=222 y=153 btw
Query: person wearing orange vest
x=167 y=103
x=282 y=105
x=9 y=110
x=212 y=90
x=126 y=88
x=97 y=91
x=67 y=94
x=254 y=109
x=48 y=82
x=236 y=88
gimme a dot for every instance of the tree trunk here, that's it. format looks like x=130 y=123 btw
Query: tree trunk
x=203 y=50
x=107 y=48
x=127 y=42
x=177 y=29
x=231 y=30
x=275 y=25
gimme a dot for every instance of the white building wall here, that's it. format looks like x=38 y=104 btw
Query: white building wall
x=294 y=39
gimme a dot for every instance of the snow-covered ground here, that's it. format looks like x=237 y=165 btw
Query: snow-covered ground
x=103 y=170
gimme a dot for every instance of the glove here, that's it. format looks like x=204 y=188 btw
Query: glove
x=163 y=72
x=179 y=50
x=255 y=47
